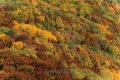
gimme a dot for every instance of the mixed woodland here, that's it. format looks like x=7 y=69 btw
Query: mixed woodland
x=59 y=39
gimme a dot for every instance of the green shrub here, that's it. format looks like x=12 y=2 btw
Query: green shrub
x=96 y=19
x=59 y=22
x=64 y=64
x=12 y=32
x=1 y=1
x=94 y=48
x=106 y=64
x=111 y=17
x=105 y=74
x=7 y=31
x=84 y=9
x=14 y=4
x=26 y=52
x=103 y=9
x=117 y=62
x=65 y=48
x=84 y=74
x=112 y=50
x=50 y=12
x=102 y=43
x=94 y=27
x=4 y=30
x=111 y=1
x=58 y=13
x=52 y=1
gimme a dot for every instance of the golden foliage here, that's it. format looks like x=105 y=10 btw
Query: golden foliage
x=42 y=18
x=2 y=35
x=34 y=2
x=83 y=38
x=33 y=31
x=46 y=34
x=5 y=41
x=103 y=28
x=73 y=10
x=16 y=27
x=109 y=74
x=19 y=45
x=29 y=29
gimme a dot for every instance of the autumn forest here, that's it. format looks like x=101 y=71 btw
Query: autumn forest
x=59 y=39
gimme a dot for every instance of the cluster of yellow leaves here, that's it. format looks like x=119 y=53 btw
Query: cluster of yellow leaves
x=19 y=45
x=36 y=11
x=16 y=26
x=46 y=34
x=84 y=19
x=118 y=19
x=103 y=28
x=34 y=2
x=111 y=9
x=23 y=7
x=116 y=76
x=112 y=73
x=42 y=18
x=29 y=29
x=73 y=10
x=33 y=31
x=2 y=37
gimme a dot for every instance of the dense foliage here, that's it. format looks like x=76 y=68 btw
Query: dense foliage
x=60 y=39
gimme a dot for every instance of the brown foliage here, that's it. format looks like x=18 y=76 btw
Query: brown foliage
x=5 y=7
x=40 y=49
x=26 y=68
x=96 y=19
x=15 y=62
x=22 y=37
x=5 y=54
x=6 y=42
x=67 y=20
x=89 y=39
x=19 y=76
x=42 y=75
x=111 y=5
x=105 y=4
x=116 y=28
x=7 y=21
x=110 y=37
x=65 y=77
x=89 y=2
x=27 y=20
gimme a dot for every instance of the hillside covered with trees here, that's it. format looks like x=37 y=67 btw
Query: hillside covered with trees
x=59 y=39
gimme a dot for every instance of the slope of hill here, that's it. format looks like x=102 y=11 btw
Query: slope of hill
x=59 y=39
